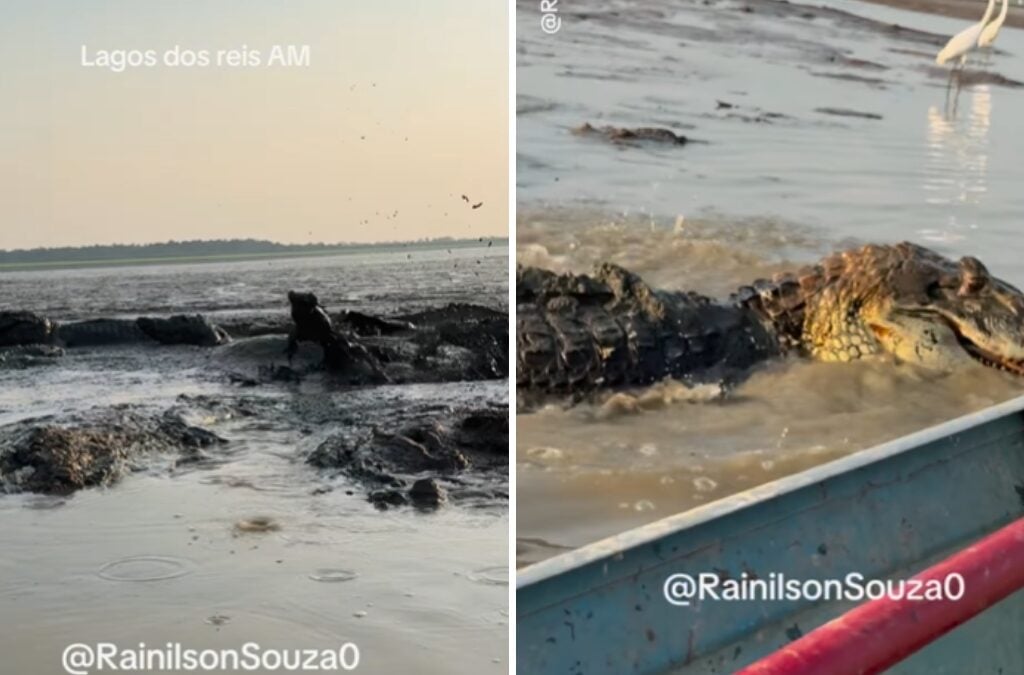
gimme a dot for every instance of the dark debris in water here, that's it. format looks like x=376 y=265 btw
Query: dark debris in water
x=631 y=136
x=526 y=105
x=848 y=112
x=851 y=77
x=851 y=62
x=751 y=114
x=257 y=525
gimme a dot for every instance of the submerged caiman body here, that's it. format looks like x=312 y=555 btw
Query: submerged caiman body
x=176 y=330
x=579 y=333
x=23 y=328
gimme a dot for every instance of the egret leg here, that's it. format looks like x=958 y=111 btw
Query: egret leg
x=954 y=71
x=960 y=81
x=949 y=88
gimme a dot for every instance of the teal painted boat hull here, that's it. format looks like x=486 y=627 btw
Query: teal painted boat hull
x=885 y=512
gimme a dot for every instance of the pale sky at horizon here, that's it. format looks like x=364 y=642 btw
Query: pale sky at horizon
x=404 y=108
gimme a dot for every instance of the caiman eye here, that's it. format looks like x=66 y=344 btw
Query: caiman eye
x=934 y=290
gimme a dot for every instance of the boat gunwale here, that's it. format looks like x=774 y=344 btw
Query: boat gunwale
x=609 y=547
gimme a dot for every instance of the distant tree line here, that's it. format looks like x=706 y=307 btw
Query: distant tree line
x=198 y=248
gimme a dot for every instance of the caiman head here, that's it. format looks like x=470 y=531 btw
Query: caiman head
x=905 y=301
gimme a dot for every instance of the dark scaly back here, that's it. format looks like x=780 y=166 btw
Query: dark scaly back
x=575 y=333
x=780 y=302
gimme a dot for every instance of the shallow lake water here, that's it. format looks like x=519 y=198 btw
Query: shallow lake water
x=812 y=128
x=158 y=558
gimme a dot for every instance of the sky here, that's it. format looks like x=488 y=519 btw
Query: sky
x=402 y=111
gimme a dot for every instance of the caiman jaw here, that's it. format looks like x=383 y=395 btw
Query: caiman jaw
x=959 y=338
x=984 y=356
x=988 y=358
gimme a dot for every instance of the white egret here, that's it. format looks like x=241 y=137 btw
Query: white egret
x=989 y=32
x=963 y=42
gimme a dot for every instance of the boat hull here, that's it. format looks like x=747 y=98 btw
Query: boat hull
x=885 y=512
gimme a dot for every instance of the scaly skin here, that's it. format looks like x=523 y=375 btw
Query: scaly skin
x=25 y=328
x=579 y=333
x=99 y=332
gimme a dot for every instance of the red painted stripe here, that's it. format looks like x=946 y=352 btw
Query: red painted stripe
x=879 y=633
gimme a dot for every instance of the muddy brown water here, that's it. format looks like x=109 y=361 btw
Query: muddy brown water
x=774 y=179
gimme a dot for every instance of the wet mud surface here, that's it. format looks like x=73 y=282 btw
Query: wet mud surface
x=98 y=446
x=455 y=343
x=187 y=468
x=456 y=450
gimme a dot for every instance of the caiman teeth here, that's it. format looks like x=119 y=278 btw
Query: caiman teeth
x=986 y=358
x=1015 y=367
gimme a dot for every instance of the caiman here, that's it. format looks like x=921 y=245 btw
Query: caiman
x=577 y=333
x=26 y=328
